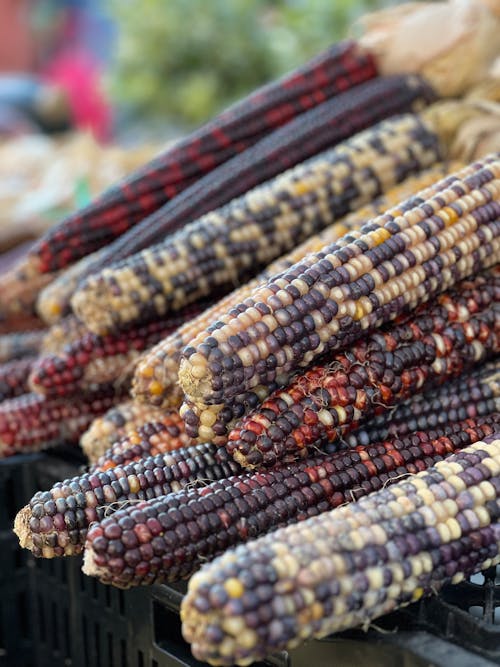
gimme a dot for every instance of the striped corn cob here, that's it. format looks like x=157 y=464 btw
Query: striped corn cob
x=55 y=522
x=351 y=565
x=53 y=302
x=62 y=333
x=226 y=246
x=32 y=422
x=121 y=419
x=93 y=360
x=155 y=378
x=18 y=345
x=435 y=343
x=152 y=439
x=14 y=377
x=168 y=538
x=337 y=69
x=472 y=395
x=331 y=298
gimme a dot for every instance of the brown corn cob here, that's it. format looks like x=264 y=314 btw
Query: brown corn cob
x=331 y=298
x=111 y=427
x=437 y=342
x=347 y=567
x=168 y=538
x=20 y=323
x=152 y=439
x=55 y=522
x=14 y=377
x=472 y=395
x=19 y=345
x=155 y=377
x=93 y=360
x=337 y=69
x=32 y=422
x=227 y=246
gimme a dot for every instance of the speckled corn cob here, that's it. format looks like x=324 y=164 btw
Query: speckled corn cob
x=434 y=344
x=227 y=246
x=19 y=345
x=149 y=440
x=93 y=360
x=55 y=522
x=155 y=377
x=14 y=377
x=121 y=419
x=333 y=297
x=168 y=538
x=351 y=565
x=32 y=422
x=64 y=332
x=472 y=395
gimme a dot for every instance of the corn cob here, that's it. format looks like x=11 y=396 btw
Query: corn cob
x=20 y=324
x=155 y=377
x=93 y=360
x=115 y=424
x=331 y=298
x=55 y=522
x=435 y=343
x=32 y=422
x=348 y=566
x=470 y=396
x=140 y=545
x=226 y=246
x=19 y=291
x=19 y=345
x=337 y=69
x=53 y=302
x=152 y=439
x=14 y=377
x=64 y=332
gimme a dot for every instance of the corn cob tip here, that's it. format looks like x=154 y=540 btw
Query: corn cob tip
x=410 y=38
x=21 y=527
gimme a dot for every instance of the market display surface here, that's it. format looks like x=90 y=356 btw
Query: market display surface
x=277 y=344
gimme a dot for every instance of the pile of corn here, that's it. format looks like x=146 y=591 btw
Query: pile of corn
x=283 y=334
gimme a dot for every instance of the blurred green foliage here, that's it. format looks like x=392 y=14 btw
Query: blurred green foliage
x=183 y=60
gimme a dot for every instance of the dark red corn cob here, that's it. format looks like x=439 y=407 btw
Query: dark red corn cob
x=312 y=132
x=168 y=538
x=32 y=422
x=93 y=360
x=337 y=69
x=435 y=343
x=14 y=377
x=151 y=439
x=22 y=344
x=55 y=522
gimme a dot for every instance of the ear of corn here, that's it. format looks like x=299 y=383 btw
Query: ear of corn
x=14 y=377
x=19 y=345
x=19 y=291
x=347 y=567
x=155 y=377
x=435 y=343
x=152 y=439
x=55 y=522
x=226 y=246
x=32 y=422
x=327 y=301
x=340 y=67
x=64 y=332
x=168 y=538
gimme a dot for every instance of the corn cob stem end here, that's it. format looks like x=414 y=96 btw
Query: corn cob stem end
x=21 y=527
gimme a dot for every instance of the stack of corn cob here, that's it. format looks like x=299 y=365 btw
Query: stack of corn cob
x=360 y=344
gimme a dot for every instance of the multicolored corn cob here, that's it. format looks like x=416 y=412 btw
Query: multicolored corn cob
x=337 y=69
x=55 y=522
x=14 y=377
x=32 y=422
x=152 y=439
x=331 y=298
x=228 y=245
x=111 y=427
x=347 y=567
x=18 y=345
x=93 y=360
x=155 y=377
x=168 y=538
x=64 y=332
x=437 y=342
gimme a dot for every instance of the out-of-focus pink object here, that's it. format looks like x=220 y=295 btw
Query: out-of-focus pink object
x=79 y=76
x=17 y=53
